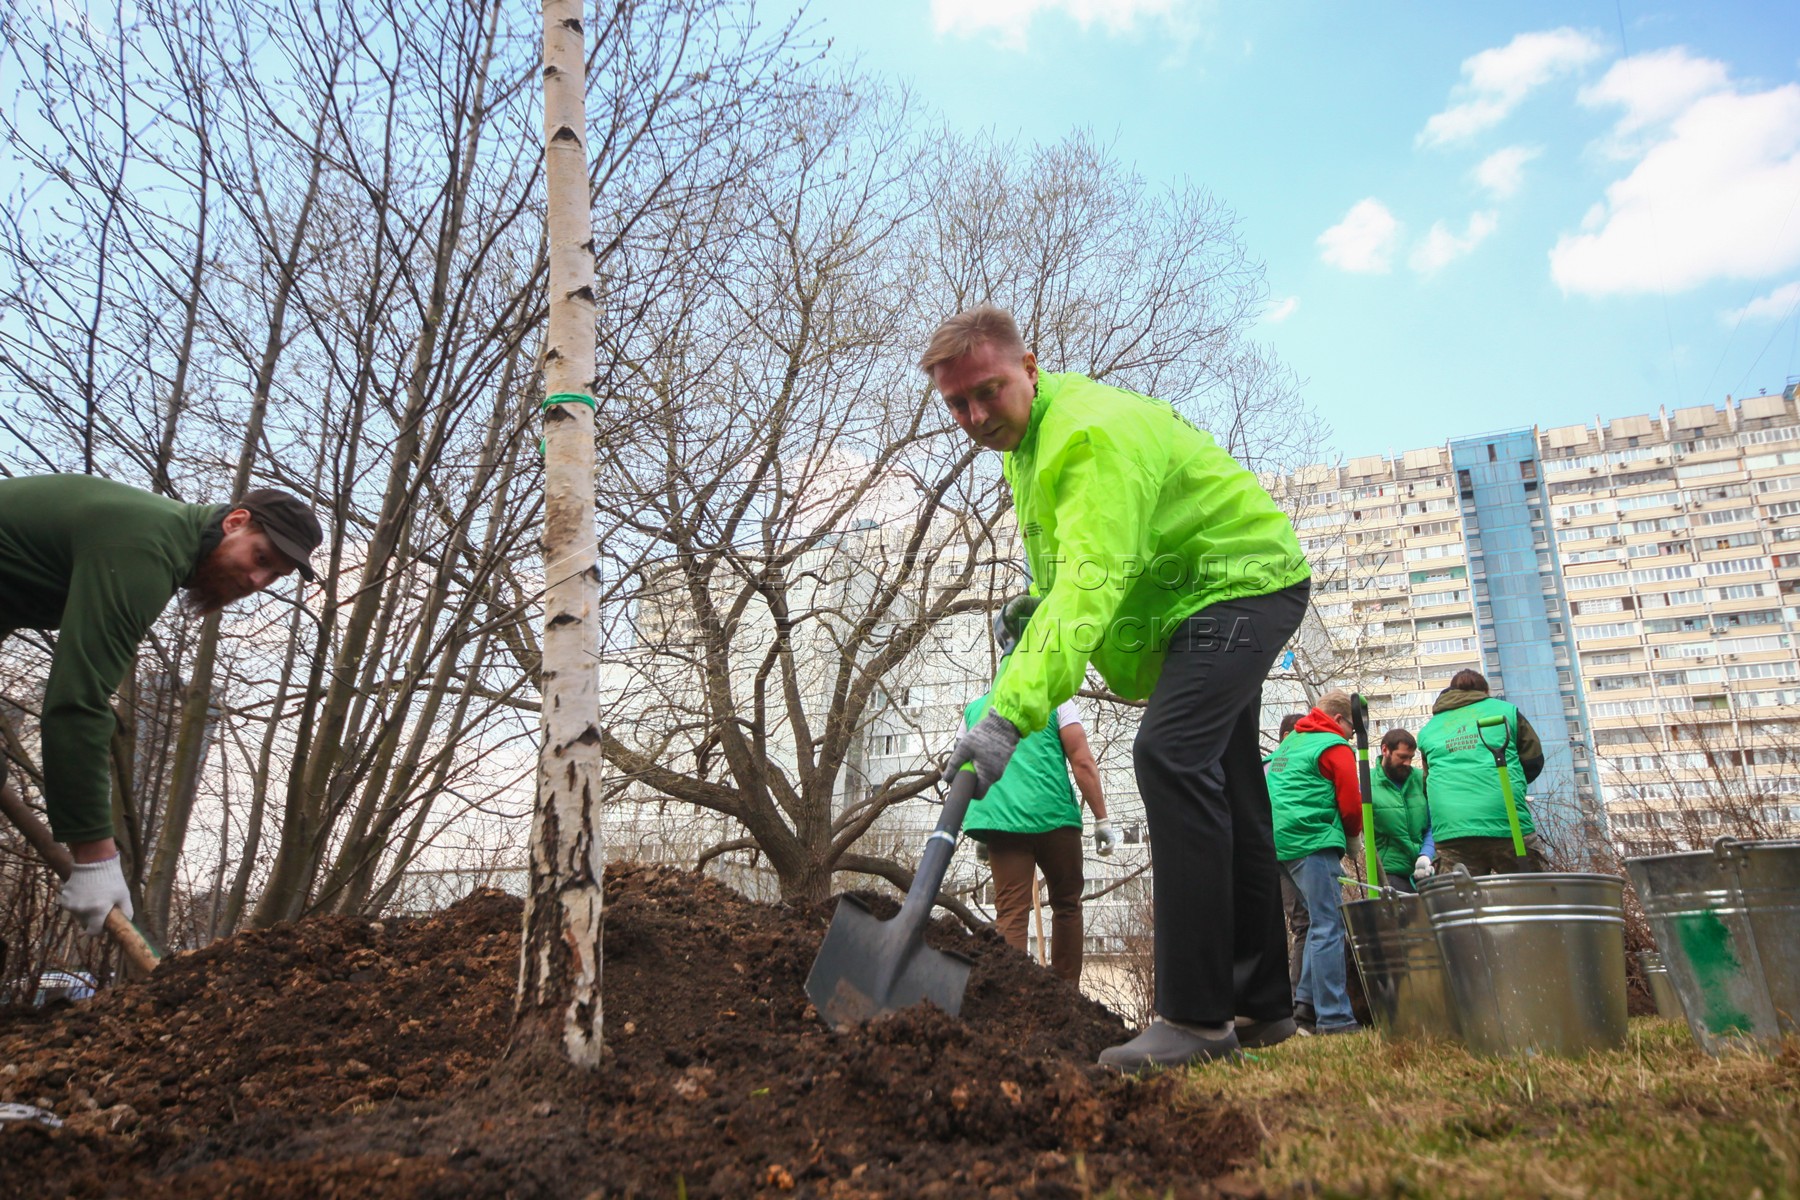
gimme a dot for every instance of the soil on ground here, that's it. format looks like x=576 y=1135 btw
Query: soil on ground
x=339 y=1057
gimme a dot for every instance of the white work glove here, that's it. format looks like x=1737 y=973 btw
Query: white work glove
x=92 y=890
x=989 y=745
x=1106 y=838
x=1423 y=868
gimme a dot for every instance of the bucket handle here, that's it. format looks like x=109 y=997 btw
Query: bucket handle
x=1729 y=853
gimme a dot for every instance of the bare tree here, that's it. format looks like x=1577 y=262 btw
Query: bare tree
x=1696 y=776
x=804 y=530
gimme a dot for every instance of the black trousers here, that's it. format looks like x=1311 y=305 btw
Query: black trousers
x=1221 y=946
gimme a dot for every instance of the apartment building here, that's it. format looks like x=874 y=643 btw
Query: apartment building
x=1630 y=584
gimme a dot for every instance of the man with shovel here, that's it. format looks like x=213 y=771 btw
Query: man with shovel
x=1478 y=810
x=1163 y=563
x=97 y=561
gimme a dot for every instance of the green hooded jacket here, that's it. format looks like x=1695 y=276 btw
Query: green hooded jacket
x=1133 y=520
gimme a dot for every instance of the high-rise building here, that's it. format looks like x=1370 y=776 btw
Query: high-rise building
x=1630 y=585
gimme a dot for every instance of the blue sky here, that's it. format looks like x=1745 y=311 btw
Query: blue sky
x=1473 y=216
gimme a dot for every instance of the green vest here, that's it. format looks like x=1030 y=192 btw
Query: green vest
x=1033 y=795
x=1132 y=520
x=1461 y=778
x=1302 y=801
x=1400 y=816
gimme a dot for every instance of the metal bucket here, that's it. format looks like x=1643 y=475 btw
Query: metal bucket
x=1535 y=963
x=1662 y=988
x=1728 y=922
x=1402 y=971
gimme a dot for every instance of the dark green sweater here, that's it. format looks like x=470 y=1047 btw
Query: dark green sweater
x=97 y=561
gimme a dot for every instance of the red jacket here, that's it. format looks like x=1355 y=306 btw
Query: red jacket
x=1337 y=764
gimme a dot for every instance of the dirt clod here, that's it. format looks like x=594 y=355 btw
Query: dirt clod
x=342 y=1057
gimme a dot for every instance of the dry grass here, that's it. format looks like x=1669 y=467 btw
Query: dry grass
x=1364 y=1116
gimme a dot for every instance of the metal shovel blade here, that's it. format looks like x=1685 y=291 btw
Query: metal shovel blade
x=868 y=966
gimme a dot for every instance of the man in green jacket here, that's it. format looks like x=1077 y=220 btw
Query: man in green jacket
x=1029 y=820
x=1462 y=782
x=1403 y=834
x=1317 y=802
x=1165 y=565
x=97 y=561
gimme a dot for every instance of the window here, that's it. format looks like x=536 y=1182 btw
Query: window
x=1527 y=469
x=1612 y=630
x=1736 y=566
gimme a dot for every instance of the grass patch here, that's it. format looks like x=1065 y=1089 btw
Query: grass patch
x=1361 y=1115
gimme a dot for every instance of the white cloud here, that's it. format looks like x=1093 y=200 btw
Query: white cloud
x=1280 y=310
x=1496 y=80
x=1441 y=247
x=1503 y=171
x=1363 y=241
x=1010 y=20
x=1653 y=89
x=1712 y=197
x=1773 y=307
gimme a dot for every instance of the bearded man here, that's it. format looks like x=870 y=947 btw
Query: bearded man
x=98 y=561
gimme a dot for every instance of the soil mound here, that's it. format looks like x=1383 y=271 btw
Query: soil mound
x=342 y=1057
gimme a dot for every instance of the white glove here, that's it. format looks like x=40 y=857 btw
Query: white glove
x=989 y=746
x=92 y=890
x=1106 y=838
x=1423 y=868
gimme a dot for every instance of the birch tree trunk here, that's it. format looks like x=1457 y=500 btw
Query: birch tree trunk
x=559 y=963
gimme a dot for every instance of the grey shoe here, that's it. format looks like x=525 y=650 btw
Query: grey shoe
x=1253 y=1033
x=1164 y=1044
x=1327 y=1030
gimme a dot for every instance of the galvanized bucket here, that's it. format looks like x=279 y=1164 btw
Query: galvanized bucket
x=1535 y=963
x=1402 y=971
x=1728 y=922
x=1662 y=988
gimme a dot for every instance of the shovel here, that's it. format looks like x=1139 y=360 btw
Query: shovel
x=1482 y=725
x=868 y=967
x=1359 y=722
x=137 y=949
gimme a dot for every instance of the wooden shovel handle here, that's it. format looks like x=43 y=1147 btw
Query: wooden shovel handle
x=56 y=857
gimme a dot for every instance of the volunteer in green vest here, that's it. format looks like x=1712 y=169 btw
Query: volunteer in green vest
x=1293 y=904
x=1462 y=784
x=98 y=561
x=1029 y=820
x=1165 y=565
x=1403 y=835
x=1317 y=800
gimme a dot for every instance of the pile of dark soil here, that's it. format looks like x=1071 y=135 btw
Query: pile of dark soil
x=338 y=1057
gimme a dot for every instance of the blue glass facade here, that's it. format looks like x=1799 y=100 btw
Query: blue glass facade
x=1522 y=616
